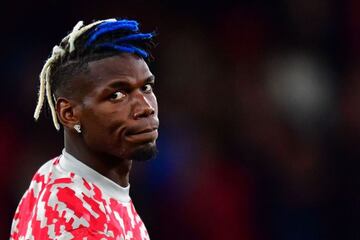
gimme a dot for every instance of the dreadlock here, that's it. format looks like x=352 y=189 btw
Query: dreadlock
x=85 y=43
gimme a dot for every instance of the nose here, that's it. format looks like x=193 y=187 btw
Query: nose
x=142 y=107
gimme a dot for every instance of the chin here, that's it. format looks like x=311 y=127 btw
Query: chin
x=144 y=152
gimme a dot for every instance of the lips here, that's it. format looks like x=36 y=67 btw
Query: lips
x=147 y=130
x=136 y=131
x=145 y=135
x=142 y=133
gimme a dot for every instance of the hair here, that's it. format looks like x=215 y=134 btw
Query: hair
x=86 y=43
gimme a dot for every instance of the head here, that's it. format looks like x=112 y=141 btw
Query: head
x=98 y=78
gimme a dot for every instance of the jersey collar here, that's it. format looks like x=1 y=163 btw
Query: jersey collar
x=69 y=163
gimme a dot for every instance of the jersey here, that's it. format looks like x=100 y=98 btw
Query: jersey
x=69 y=200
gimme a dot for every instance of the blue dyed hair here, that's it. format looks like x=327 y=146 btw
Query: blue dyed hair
x=129 y=36
x=106 y=39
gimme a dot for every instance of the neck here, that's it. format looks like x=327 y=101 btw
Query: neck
x=114 y=168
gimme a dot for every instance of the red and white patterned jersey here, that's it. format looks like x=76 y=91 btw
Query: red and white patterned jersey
x=68 y=200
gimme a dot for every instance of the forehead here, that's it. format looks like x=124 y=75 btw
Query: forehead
x=125 y=67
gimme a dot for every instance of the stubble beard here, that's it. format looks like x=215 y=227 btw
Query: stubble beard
x=145 y=152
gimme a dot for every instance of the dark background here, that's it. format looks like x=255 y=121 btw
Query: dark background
x=260 y=122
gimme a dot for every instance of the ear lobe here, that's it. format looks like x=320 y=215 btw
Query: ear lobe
x=67 y=111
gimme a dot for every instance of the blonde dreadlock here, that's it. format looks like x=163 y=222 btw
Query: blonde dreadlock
x=57 y=53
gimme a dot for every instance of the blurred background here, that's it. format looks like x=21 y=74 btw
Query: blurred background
x=259 y=111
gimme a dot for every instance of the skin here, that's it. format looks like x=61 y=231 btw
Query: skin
x=118 y=114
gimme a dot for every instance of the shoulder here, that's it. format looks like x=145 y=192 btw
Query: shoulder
x=56 y=203
x=67 y=201
x=71 y=207
x=36 y=187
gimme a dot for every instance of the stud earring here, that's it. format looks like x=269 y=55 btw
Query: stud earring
x=77 y=127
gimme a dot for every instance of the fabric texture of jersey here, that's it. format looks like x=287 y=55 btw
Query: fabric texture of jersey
x=68 y=200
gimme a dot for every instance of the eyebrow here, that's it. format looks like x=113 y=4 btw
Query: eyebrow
x=121 y=84
x=150 y=79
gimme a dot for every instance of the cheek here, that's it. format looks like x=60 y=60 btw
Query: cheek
x=94 y=127
x=103 y=131
x=102 y=121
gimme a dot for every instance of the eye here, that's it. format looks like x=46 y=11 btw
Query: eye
x=147 y=88
x=117 y=96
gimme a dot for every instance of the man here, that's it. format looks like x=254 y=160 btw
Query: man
x=99 y=87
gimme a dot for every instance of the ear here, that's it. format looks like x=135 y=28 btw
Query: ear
x=68 y=112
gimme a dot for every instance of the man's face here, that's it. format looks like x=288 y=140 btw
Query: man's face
x=119 y=113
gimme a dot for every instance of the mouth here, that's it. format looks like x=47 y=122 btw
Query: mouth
x=143 y=135
x=148 y=130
